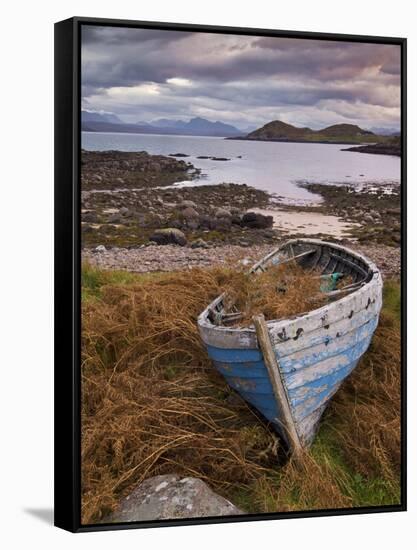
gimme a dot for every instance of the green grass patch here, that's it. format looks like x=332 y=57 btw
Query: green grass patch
x=93 y=279
x=392 y=298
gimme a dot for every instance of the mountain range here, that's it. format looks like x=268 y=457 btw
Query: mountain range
x=197 y=126
x=276 y=130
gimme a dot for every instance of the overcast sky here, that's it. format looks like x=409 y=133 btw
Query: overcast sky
x=142 y=75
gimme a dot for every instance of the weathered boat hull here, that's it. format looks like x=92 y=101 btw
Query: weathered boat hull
x=314 y=352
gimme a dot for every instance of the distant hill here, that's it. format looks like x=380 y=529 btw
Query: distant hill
x=121 y=127
x=197 y=126
x=385 y=131
x=277 y=130
x=91 y=116
x=343 y=130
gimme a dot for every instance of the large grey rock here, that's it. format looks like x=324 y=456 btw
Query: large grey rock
x=187 y=204
x=170 y=235
x=257 y=221
x=169 y=497
x=189 y=213
x=124 y=211
x=222 y=213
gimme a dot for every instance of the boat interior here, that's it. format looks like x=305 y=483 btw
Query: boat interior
x=325 y=260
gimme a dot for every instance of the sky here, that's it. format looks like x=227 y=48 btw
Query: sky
x=145 y=74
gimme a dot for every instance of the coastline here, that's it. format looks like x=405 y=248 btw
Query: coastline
x=289 y=140
x=132 y=215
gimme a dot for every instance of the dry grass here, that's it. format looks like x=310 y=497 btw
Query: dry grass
x=153 y=404
x=280 y=292
x=367 y=411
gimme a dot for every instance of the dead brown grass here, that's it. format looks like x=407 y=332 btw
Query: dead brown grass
x=367 y=411
x=152 y=404
x=280 y=292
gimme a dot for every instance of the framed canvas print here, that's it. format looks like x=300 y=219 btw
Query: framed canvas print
x=230 y=274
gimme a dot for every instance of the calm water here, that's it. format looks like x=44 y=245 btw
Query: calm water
x=275 y=167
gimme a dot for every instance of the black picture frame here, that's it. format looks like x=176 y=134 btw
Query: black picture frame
x=68 y=264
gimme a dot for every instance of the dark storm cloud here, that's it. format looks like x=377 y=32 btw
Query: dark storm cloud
x=238 y=78
x=114 y=35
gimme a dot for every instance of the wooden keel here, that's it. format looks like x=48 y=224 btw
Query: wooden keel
x=277 y=383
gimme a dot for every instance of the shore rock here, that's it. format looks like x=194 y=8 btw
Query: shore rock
x=189 y=213
x=257 y=221
x=170 y=235
x=188 y=204
x=170 y=497
x=90 y=217
x=199 y=243
x=222 y=224
x=222 y=213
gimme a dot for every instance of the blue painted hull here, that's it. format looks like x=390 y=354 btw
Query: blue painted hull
x=310 y=381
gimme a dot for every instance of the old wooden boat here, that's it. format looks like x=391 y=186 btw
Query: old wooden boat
x=289 y=369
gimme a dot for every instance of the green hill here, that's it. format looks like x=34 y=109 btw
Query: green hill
x=277 y=130
x=343 y=130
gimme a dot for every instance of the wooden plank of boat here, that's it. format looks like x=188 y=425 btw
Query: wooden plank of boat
x=260 y=264
x=272 y=366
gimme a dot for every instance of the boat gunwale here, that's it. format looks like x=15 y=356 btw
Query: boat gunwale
x=248 y=334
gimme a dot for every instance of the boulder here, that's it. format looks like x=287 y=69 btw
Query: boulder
x=90 y=217
x=221 y=224
x=199 y=243
x=257 y=221
x=193 y=224
x=222 y=213
x=125 y=212
x=100 y=248
x=206 y=222
x=170 y=235
x=171 y=497
x=189 y=213
x=187 y=204
x=368 y=218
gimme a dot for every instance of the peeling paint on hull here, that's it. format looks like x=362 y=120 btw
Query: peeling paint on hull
x=312 y=366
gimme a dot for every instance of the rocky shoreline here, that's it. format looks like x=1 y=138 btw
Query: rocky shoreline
x=378 y=149
x=155 y=258
x=131 y=206
x=109 y=170
x=375 y=209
